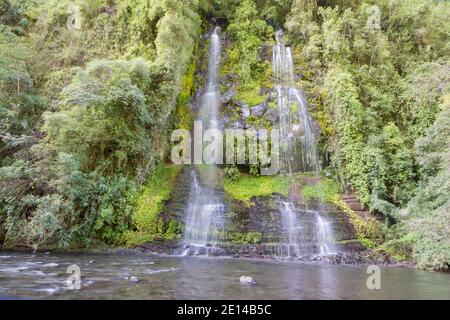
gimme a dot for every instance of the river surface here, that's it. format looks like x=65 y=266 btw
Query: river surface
x=107 y=276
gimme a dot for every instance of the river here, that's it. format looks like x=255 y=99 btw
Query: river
x=107 y=276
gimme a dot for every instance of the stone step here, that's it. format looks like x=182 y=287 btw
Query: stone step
x=364 y=214
x=355 y=206
x=311 y=180
x=351 y=201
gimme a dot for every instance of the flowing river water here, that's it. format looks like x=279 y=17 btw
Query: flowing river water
x=107 y=276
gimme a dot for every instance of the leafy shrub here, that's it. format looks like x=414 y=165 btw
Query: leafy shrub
x=232 y=173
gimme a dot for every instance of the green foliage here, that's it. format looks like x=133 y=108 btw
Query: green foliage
x=248 y=32
x=232 y=173
x=250 y=95
x=425 y=219
x=147 y=221
x=248 y=187
x=274 y=11
x=109 y=114
x=374 y=93
x=50 y=202
x=20 y=106
x=13 y=13
x=104 y=119
x=356 y=76
x=250 y=237
x=254 y=169
x=57 y=49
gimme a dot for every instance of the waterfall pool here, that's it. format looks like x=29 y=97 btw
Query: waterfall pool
x=137 y=276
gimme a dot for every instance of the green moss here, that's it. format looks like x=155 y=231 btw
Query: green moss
x=146 y=219
x=326 y=191
x=184 y=114
x=250 y=95
x=248 y=187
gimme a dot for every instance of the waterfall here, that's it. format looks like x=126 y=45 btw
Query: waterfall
x=209 y=108
x=298 y=152
x=204 y=217
x=289 y=221
x=205 y=209
x=297 y=129
x=325 y=236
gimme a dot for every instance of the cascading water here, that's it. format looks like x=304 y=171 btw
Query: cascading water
x=298 y=139
x=204 y=217
x=289 y=221
x=325 y=238
x=205 y=209
x=298 y=152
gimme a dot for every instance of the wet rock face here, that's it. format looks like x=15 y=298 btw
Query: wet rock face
x=259 y=110
x=219 y=21
x=174 y=208
x=257 y=231
x=264 y=218
x=161 y=247
x=238 y=114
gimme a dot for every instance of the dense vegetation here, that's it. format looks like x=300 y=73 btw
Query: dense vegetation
x=89 y=94
x=86 y=113
x=378 y=79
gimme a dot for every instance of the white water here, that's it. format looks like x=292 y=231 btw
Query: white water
x=297 y=129
x=324 y=236
x=289 y=221
x=204 y=218
x=205 y=209
x=298 y=153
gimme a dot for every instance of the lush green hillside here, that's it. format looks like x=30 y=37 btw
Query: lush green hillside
x=86 y=113
x=88 y=100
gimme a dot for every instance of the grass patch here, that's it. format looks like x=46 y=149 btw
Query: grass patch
x=146 y=218
x=326 y=191
x=247 y=187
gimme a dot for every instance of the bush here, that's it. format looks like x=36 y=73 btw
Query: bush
x=232 y=173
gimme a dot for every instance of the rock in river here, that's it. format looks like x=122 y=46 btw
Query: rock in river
x=248 y=281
